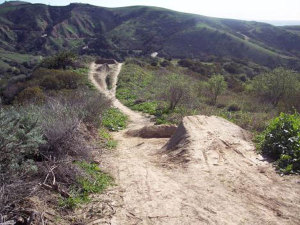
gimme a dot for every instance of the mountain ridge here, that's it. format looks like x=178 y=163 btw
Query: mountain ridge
x=123 y=31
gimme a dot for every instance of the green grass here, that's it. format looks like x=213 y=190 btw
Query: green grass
x=86 y=80
x=147 y=107
x=107 y=139
x=133 y=80
x=17 y=57
x=114 y=120
x=95 y=182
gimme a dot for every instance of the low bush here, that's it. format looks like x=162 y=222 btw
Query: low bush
x=199 y=67
x=165 y=63
x=20 y=138
x=50 y=83
x=62 y=117
x=31 y=95
x=68 y=79
x=250 y=121
x=38 y=144
x=61 y=60
x=281 y=142
x=233 y=107
x=276 y=86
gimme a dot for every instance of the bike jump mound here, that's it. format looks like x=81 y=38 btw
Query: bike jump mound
x=153 y=131
x=212 y=140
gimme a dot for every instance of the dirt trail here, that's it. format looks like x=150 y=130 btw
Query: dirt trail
x=154 y=190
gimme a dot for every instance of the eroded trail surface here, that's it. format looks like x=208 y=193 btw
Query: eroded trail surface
x=207 y=173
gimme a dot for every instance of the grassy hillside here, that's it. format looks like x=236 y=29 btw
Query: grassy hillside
x=153 y=89
x=119 y=32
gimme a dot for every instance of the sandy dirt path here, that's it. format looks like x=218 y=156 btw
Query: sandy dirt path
x=153 y=191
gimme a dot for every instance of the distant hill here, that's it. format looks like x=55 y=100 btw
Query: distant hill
x=283 y=22
x=119 y=32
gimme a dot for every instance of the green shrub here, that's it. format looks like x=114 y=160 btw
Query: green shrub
x=61 y=118
x=234 y=107
x=50 y=83
x=31 y=94
x=68 y=79
x=114 y=120
x=217 y=85
x=20 y=138
x=52 y=79
x=277 y=85
x=60 y=61
x=165 y=63
x=281 y=142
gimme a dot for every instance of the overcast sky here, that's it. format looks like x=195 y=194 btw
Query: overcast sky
x=261 y=10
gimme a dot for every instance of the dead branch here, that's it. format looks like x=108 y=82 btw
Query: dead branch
x=56 y=188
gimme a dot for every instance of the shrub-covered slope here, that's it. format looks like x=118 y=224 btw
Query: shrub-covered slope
x=39 y=28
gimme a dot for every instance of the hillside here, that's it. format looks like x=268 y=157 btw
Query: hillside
x=139 y=30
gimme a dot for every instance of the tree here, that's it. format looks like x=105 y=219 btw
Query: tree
x=276 y=85
x=217 y=85
x=176 y=93
x=60 y=61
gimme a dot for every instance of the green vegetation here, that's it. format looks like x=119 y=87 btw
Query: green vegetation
x=59 y=61
x=107 y=139
x=20 y=138
x=154 y=90
x=37 y=137
x=114 y=120
x=169 y=93
x=44 y=129
x=281 y=142
x=142 y=30
x=279 y=85
x=45 y=81
x=217 y=86
x=94 y=181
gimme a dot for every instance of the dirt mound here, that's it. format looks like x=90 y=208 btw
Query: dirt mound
x=153 y=131
x=209 y=139
x=107 y=61
x=104 y=67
